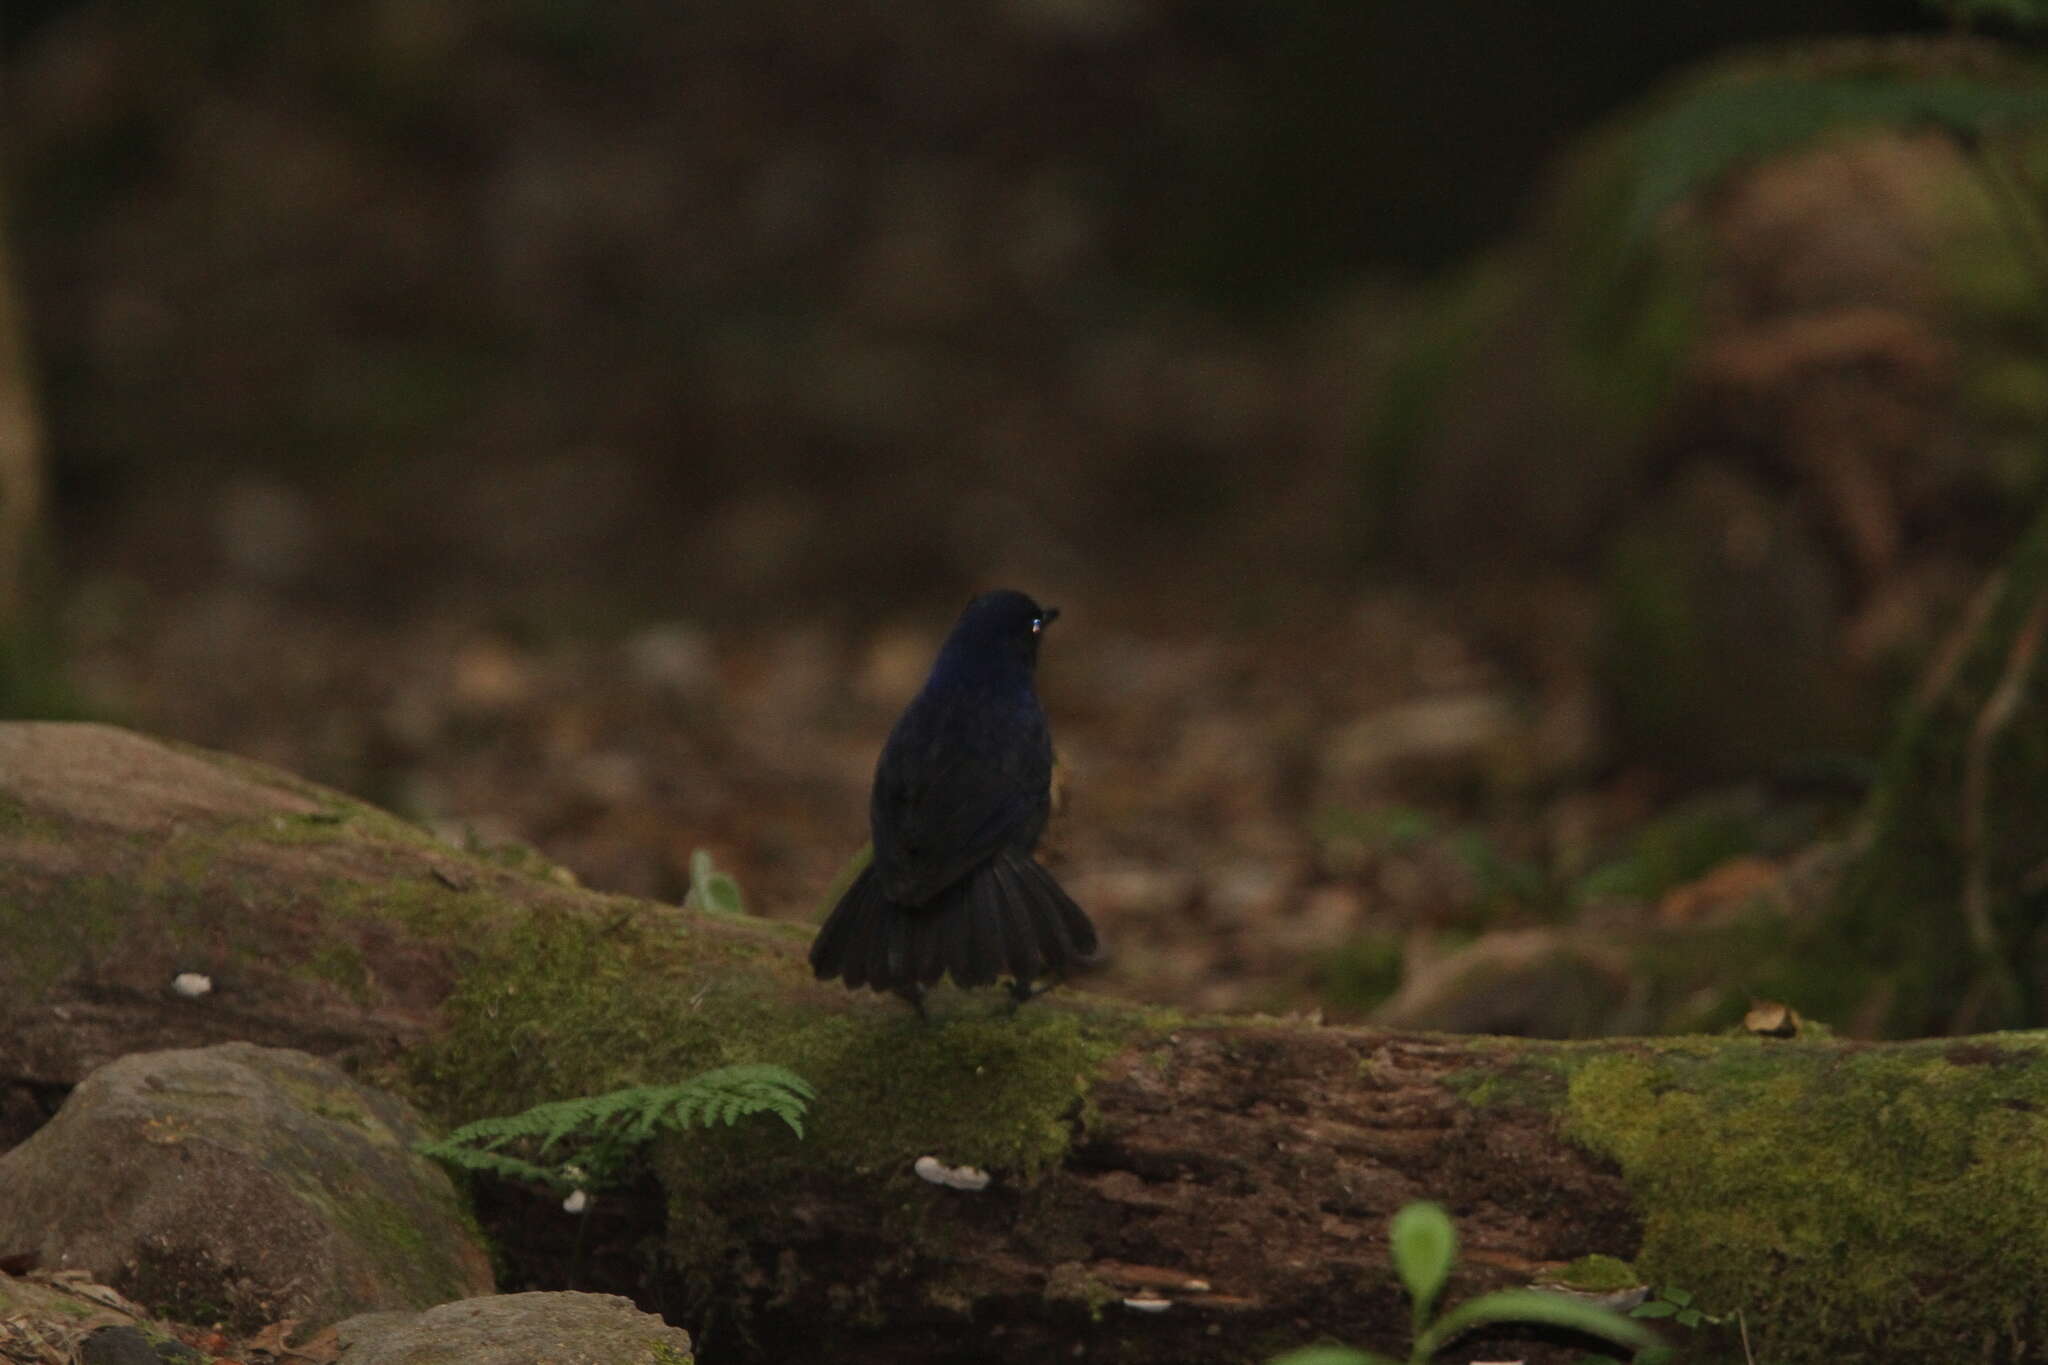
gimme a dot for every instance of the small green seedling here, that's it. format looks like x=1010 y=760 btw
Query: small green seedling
x=711 y=889
x=1677 y=1306
x=1425 y=1247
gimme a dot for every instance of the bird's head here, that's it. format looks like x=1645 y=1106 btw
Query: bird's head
x=997 y=635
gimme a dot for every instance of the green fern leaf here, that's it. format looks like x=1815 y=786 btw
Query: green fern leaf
x=492 y=1163
x=601 y=1131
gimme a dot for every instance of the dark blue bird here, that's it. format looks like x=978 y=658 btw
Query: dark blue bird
x=961 y=795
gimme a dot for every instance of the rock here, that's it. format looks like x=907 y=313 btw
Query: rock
x=1452 y=739
x=274 y=878
x=1528 y=983
x=675 y=658
x=51 y=1315
x=240 y=1184
x=104 y=777
x=514 y=1329
x=125 y=1345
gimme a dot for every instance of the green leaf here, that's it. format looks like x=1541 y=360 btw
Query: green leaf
x=1330 y=1355
x=1532 y=1306
x=1424 y=1244
x=711 y=889
x=1690 y=1317
x=1655 y=1308
x=1681 y=1297
x=722 y=893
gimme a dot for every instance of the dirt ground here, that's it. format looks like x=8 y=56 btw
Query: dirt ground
x=1263 y=818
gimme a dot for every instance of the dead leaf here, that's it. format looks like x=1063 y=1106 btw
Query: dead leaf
x=275 y=1338
x=1727 y=886
x=1771 y=1019
x=322 y=1349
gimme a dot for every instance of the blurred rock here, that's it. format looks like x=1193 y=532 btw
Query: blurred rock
x=611 y=777
x=674 y=657
x=1246 y=891
x=266 y=531
x=488 y=674
x=1724 y=647
x=1326 y=918
x=1130 y=888
x=1528 y=983
x=1802 y=426
x=1452 y=738
x=516 y=1329
x=895 y=667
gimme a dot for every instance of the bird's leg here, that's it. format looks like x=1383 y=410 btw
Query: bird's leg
x=913 y=991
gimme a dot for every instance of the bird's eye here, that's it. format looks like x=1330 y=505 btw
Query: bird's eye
x=1037 y=624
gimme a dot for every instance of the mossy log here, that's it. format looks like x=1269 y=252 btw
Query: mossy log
x=1163 y=1188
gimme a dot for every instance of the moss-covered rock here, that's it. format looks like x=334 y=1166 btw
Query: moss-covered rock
x=1759 y=379
x=238 y=1184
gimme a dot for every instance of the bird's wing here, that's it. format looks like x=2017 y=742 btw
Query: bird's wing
x=955 y=784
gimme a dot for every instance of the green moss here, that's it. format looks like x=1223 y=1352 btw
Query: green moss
x=17 y=819
x=1364 y=972
x=438 y=913
x=425 y=1270
x=524 y=859
x=340 y=963
x=1597 y=1274
x=47 y=939
x=664 y=1354
x=338 y=1103
x=1822 y=1189
x=569 y=1005
x=339 y=819
x=1535 y=1081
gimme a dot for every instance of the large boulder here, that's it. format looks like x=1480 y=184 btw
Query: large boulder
x=240 y=1184
x=515 y=1329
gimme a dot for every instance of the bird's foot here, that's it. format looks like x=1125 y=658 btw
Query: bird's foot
x=914 y=993
x=1023 y=993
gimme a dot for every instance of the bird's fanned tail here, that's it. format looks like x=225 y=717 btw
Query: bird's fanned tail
x=841 y=947
x=1008 y=917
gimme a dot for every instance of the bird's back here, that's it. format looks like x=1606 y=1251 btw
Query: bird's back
x=966 y=772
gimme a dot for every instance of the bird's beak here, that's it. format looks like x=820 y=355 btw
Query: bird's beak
x=1047 y=615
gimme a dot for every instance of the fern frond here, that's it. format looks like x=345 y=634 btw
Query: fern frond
x=492 y=1163
x=605 y=1128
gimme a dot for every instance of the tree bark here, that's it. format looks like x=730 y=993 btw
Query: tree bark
x=1161 y=1188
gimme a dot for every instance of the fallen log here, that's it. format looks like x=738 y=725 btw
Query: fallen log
x=1161 y=1187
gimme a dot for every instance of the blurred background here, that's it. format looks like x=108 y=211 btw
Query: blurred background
x=1502 y=479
